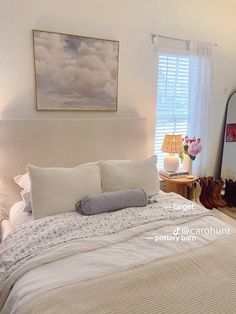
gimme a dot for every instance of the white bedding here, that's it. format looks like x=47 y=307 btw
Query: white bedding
x=17 y=216
x=104 y=260
x=108 y=253
x=5 y=229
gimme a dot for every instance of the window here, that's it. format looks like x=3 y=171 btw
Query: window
x=172 y=98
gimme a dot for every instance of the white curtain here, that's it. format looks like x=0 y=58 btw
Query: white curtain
x=200 y=101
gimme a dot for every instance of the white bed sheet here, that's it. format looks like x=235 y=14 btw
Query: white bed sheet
x=115 y=257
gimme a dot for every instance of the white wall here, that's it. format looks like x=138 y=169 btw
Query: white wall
x=130 y=22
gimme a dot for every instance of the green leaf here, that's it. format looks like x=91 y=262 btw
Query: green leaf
x=192 y=157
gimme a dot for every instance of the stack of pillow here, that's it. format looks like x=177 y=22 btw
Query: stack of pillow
x=92 y=188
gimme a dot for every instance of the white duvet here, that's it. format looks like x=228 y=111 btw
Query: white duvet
x=97 y=255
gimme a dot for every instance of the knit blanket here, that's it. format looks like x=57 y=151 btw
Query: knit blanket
x=199 y=281
x=23 y=246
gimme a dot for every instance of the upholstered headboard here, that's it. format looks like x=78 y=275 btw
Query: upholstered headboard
x=64 y=143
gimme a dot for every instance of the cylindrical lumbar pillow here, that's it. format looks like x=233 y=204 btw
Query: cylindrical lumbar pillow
x=111 y=201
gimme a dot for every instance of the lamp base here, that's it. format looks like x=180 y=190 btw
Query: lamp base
x=171 y=163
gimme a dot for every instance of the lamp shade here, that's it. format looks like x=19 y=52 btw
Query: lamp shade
x=172 y=143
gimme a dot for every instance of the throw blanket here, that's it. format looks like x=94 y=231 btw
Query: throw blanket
x=21 y=248
x=199 y=281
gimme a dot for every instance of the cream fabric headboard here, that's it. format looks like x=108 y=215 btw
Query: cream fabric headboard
x=64 y=143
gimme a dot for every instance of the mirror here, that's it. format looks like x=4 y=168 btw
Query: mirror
x=228 y=167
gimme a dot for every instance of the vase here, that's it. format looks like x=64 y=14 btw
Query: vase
x=187 y=163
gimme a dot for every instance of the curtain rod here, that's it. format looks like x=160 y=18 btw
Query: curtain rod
x=155 y=36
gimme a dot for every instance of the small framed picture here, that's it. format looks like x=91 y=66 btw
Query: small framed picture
x=231 y=132
x=75 y=72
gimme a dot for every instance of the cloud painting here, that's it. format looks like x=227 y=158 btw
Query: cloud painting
x=75 y=73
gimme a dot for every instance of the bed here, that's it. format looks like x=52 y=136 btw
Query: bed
x=171 y=256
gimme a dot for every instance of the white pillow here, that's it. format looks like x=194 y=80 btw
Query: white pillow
x=5 y=229
x=23 y=181
x=57 y=190
x=26 y=196
x=18 y=216
x=130 y=174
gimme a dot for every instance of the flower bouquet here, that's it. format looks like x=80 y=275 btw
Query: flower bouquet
x=192 y=147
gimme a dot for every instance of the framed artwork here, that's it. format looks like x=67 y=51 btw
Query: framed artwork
x=75 y=72
x=231 y=132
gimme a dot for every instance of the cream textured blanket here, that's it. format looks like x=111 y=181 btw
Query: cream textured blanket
x=200 y=281
x=36 y=242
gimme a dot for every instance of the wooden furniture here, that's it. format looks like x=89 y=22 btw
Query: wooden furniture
x=178 y=185
x=231 y=212
x=224 y=217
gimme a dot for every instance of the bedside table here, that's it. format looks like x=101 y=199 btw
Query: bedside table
x=178 y=185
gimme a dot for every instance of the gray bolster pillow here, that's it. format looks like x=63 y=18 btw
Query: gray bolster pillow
x=111 y=201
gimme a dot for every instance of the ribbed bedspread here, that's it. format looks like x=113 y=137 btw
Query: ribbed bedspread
x=199 y=281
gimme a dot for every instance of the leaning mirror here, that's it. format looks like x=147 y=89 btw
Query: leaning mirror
x=228 y=167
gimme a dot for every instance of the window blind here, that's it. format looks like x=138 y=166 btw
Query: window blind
x=172 y=99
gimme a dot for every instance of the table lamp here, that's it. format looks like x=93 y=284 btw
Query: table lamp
x=173 y=145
